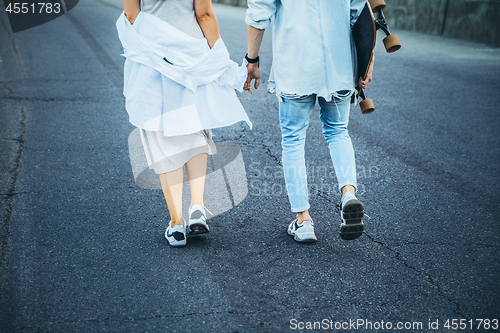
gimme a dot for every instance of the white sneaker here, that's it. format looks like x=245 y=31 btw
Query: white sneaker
x=197 y=220
x=176 y=236
x=303 y=232
x=352 y=212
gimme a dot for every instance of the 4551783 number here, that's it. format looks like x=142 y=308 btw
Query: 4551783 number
x=463 y=324
x=32 y=8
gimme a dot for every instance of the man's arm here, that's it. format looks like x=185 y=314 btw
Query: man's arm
x=254 y=37
x=258 y=18
x=131 y=9
x=206 y=19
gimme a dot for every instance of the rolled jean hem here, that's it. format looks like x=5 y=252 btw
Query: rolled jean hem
x=348 y=184
x=301 y=209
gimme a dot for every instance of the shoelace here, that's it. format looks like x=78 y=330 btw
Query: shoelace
x=209 y=211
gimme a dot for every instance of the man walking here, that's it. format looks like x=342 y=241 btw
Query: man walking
x=313 y=60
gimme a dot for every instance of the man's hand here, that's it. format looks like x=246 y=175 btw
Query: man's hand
x=253 y=73
x=364 y=83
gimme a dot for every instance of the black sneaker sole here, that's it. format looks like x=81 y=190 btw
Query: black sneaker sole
x=198 y=228
x=352 y=213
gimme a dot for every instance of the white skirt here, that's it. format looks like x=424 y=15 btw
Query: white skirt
x=169 y=153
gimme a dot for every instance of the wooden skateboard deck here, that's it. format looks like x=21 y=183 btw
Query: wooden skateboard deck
x=364 y=33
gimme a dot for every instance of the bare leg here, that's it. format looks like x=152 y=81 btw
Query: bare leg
x=196 y=169
x=347 y=188
x=171 y=184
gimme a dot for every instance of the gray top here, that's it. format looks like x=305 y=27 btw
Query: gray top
x=178 y=13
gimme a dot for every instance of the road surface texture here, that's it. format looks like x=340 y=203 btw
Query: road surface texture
x=82 y=247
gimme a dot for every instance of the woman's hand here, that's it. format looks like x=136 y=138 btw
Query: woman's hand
x=131 y=9
x=253 y=73
x=131 y=19
x=364 y=83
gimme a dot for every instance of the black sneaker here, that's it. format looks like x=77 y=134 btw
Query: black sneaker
x=352 y=213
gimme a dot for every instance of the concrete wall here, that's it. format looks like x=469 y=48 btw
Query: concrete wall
x=477 y=20
x=241 y=3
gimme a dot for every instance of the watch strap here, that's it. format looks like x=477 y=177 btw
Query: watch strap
x=251 y=61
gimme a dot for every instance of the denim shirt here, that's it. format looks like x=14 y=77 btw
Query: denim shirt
x=313 y=51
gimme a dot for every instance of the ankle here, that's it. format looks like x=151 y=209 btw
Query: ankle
x=176 y=221
x=348 y=195
x=348 y=189
x=303 y=216
x=196 y=203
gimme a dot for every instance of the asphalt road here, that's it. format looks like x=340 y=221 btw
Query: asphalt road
x=82 y=246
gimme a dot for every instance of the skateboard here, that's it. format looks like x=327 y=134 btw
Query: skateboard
x=364 y=33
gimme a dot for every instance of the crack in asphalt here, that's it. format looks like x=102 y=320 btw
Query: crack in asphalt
x=12 y=185
x=446 y=244
x=9 y=93
x=13 y=43
x=14 y=173
x=454 y=182
x=110 y=66
x=11 y=139
x=427 y=276
x=240 y=140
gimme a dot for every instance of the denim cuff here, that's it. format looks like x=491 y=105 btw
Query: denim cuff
x=301 y=209
x=355 y=185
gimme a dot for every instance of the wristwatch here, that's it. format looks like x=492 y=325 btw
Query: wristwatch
x=252 y=61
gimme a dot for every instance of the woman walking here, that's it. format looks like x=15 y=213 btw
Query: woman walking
x=179 y=84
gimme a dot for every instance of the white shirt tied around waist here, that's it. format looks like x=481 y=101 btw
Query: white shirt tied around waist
x=176 y=83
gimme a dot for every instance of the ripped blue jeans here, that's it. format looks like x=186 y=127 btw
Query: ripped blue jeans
x=294 y=120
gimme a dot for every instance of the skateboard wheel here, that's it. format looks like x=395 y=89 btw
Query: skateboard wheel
x=366 y=106
x=391 y=43
x=377 y=4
